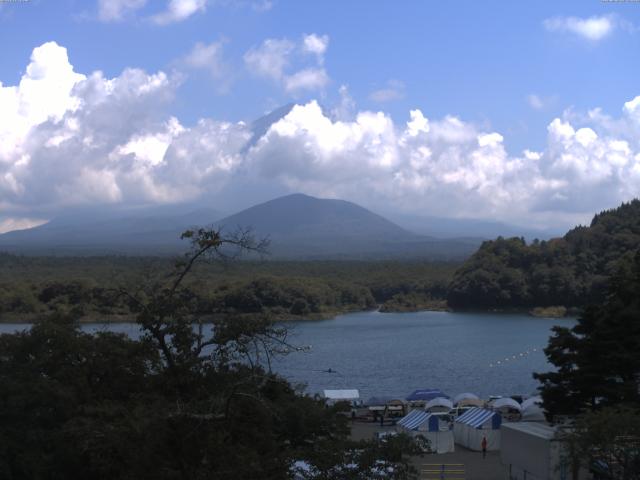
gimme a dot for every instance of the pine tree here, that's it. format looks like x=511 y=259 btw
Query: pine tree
x=598 y=360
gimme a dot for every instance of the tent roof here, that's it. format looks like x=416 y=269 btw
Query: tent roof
x=464 y=396
x=426 y=394
x=414 y=419
x=533 y=413
x=537 y=400
x=541 y=430
x=470 y=402
x=475 y=417
x=506 y=402
x=341 y=394
x=439 y=402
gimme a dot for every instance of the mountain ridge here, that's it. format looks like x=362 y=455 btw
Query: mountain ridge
x=299 y=227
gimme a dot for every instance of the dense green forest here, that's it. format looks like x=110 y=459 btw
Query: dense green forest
x=572 y=271
x=86 y=286
x=175 y=404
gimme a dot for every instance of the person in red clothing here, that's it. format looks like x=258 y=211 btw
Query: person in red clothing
x=484 y=446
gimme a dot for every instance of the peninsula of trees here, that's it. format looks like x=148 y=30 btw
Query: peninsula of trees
x=572 y=271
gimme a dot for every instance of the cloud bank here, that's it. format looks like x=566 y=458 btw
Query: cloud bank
x=70 y=139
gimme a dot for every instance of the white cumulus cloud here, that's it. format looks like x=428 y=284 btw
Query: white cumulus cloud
x=11 y=224
x=115 y=10
x=281 y=61
x=394 y=90
x=210 y=58
x=271 y=58
x=307 y=79
x=316 y=44
x=73 y=139
x=70 y=138
x=593 y=28
x=179 y=10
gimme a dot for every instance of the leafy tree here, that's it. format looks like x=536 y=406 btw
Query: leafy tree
x=571 y=271
x=185 y=401
x=607 y=442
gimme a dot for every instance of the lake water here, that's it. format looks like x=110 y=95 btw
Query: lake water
x=396 y=353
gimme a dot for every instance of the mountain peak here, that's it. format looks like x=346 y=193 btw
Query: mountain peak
x=299 y=226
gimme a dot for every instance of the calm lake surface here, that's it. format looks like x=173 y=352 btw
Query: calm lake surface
x=396 y=353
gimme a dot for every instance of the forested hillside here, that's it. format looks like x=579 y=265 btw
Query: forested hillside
x=86 y=286
x=570 y=271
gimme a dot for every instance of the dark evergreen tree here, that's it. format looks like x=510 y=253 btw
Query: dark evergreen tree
x=598 y=360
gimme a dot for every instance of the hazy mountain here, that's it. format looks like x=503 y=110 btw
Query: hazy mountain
x=467 y=227
x=153 y=230
x=300 y=226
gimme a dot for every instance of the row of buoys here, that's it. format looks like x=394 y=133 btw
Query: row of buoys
x=513 y=358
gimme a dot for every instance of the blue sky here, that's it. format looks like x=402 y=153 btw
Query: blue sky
x=498 y=67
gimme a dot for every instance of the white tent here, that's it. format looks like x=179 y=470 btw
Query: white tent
x=470 y=427
x=533 y=413
x=335 y=396
x=506 y=402
x=439 y=404
x=531 y=401
x=418 y=423
x=464 y=396
x=471 y=402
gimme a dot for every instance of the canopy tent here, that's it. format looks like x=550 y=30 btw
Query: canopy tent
x=537 y=400
x=425 y=395
x=470 y=427
x=464 y=396
x=417 y=419
x=420 y=423
x=439 y=404
x=506 y=402
x=335 y=396
x=473 y=402
x=390 y=405
x=533 y=413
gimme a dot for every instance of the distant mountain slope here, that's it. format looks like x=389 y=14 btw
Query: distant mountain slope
x=440 y=227
x=300 y=226
x=570 y=271
x=299 y=215
x=260 y=126
x=153 y=231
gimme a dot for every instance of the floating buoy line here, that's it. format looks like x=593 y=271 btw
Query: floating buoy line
x=513 y=358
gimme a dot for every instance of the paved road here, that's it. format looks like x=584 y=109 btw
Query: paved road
x=466 y=464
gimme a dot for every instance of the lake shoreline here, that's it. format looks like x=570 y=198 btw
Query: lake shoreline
x=435 y=306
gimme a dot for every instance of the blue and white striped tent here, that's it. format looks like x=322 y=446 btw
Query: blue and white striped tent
x=475 y=424
x=479 y=418
x=419 y=423
x=419 y=420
